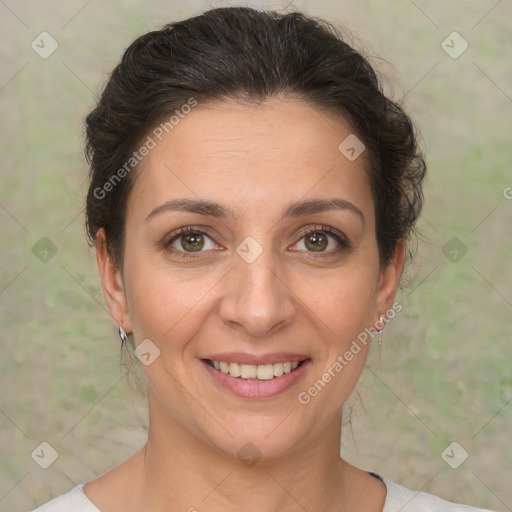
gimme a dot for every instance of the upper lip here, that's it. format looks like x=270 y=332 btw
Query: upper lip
x=245 y=358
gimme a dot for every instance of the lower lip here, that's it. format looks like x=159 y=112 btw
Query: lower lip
x=253 y=388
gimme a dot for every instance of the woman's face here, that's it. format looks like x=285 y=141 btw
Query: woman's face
x=266 y=274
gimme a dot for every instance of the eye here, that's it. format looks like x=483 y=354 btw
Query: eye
x=189 y=240
x=318 y=239
x=321 y=239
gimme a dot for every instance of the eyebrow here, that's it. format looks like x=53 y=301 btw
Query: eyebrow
x=296 y=209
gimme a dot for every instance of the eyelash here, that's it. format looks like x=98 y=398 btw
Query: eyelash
x=343 y=243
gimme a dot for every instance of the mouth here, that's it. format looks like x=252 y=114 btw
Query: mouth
x=255 y=372
x=256 y=380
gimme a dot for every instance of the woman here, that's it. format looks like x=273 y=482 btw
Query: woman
x=251 y=194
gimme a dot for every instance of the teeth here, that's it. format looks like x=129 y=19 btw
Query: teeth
x=265 y=371
x=252 y=371
x=248 y=371
x=234 y=369
x=278 y=369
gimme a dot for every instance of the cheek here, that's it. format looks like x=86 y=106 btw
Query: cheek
x=175 y=308
x=168 y=305
x=343 y=308
x=342 y=303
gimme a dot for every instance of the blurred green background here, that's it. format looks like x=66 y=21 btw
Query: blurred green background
x=444 y=373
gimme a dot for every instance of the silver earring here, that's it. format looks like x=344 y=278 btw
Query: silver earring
x=122 y=335
x=380 y=332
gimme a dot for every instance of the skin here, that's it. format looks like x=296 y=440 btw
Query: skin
x=255 y=160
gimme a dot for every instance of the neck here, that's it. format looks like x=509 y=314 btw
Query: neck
x=177 y=467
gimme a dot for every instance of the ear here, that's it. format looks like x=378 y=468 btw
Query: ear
x=389 y=279
x=112 y=282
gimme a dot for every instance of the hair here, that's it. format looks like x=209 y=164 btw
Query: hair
x=244 y=54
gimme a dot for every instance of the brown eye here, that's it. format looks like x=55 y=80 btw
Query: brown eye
x=323 y=240
x=189 y=240
x=192 y=242
x=316 y=241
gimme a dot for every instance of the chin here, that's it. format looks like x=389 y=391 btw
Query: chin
x=258 y=437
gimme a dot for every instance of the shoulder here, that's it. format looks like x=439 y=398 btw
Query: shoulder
x=74 y=500
x=402 y=499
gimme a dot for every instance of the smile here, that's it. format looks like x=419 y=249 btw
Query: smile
x=267 y=380
x=252 y=371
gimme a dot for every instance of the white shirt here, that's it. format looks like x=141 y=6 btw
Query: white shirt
x=398 y=499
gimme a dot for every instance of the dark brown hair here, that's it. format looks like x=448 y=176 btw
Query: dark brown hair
x=245 y=54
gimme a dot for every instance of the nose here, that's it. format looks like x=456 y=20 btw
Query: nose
x=259 y=301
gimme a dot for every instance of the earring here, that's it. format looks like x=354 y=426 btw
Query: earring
x=380 y=332
x=122 y=335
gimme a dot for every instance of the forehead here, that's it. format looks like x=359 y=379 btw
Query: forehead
x=280 y=149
